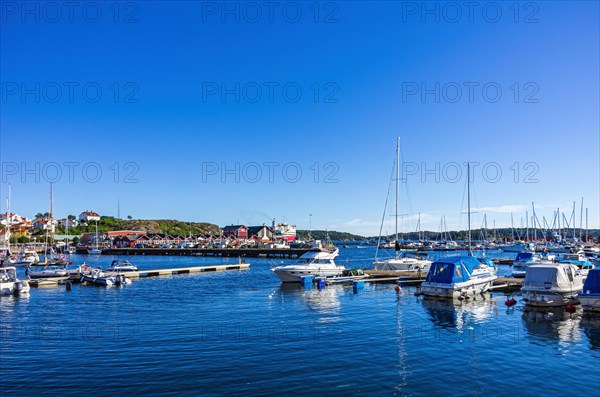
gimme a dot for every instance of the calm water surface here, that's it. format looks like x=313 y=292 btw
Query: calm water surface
x=243 y=333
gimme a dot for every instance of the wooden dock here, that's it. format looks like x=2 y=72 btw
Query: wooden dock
x=185 y=270
x=214 y=252
x=74 y=276
x=501 y=284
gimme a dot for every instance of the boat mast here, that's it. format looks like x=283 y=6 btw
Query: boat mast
x=581 y=220
x=397 y=181
x=8 y=222
x=469 y=206
x=573 y=218
x=512 y=227
x=586 y=225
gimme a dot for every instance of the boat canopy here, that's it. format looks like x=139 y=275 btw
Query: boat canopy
x=524 y=256
x=453 y=269
x=592 y=283
x=550 y=275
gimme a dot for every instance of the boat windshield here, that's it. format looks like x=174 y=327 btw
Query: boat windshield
x=441 y=273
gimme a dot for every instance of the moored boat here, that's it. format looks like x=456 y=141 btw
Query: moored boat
x=404 y=261
x=97 y=276
x=589 y=297
x=317 y=262
x=10 y=284
x=121 y=265
x=550 y=284
x=458 y=276
x=48 y=271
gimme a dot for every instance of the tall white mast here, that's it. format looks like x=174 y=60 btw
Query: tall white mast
x=581 y=220
x=8 y=221
x=469 y=205
x=397 y=181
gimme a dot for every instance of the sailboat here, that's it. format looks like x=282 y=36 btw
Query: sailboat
x=460 y=276
x=96 y=250
x=402 y=260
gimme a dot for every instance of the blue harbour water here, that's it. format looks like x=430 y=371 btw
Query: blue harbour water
x=243 y=333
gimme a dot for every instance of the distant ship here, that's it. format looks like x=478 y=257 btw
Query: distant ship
x=285 y=231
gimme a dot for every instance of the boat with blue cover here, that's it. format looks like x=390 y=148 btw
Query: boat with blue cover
x=458 y=276
x=590 y=296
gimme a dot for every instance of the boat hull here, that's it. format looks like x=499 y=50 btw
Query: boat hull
x=103 y=281
x=294 y=275
x=590 y=303
x=7 y=288
x=470 y=288
x=549 y=298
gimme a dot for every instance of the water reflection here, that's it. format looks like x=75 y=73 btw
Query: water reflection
x=590 y=325
x=552 y=324
x=324 y=301
x=458 y=314
x=403 y=366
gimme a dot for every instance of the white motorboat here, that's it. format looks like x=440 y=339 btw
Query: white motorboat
x=317 y=262
x=26 y=257
x=121 y=265
x=458 y=276
x=98 y=277
x=48 y=271
x=552 y=284
x=94 y=251
x=590 y=296
x=10 y=284
x=404 y=261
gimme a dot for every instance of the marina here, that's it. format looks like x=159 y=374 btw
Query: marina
x=234 y=318
x=290 y=199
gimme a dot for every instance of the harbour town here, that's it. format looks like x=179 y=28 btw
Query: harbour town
x=339 y=199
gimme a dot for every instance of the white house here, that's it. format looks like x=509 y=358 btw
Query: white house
x=68 y=222
x=88 y=216
x=14 y=219
x=44 y=224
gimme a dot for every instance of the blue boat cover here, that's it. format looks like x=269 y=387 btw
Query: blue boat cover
x=522 y=256
x=592 y=282
x=453 y=269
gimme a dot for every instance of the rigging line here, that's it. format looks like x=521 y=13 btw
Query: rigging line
x=409 y=205
x=385 y=208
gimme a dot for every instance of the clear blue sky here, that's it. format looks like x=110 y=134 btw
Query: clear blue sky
x=367 y=72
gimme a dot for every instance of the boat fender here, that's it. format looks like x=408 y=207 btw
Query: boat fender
x=398 y=288
x=510 y=302
x=570 y=308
